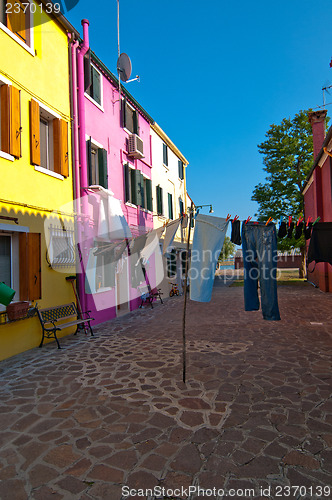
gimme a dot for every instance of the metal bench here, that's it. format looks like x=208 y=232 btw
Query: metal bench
x=49 y=319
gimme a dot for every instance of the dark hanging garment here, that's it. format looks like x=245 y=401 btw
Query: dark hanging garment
x=282 y=230
x=298 y=230
x=236 y=232
x=290 y=230
x=320 y=247
x=307 y=231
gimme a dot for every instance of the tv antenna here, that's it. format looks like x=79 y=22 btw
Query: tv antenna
x=325 y=89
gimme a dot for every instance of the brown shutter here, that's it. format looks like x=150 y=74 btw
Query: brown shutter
x=34 y=266
x=15 y=122
x=5 y=121
x=30 y=266
x=34 y=132
x=60 y=138
x=16 y=20
x=64 y=149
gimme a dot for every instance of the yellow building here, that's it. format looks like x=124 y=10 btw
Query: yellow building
x=36 y=176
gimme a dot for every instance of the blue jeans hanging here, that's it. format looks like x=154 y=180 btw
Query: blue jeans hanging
x=259 y=245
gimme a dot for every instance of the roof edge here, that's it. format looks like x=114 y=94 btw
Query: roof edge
x=159 y=131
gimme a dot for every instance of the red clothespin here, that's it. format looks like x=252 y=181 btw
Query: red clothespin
x=235 y=218
x=269 y=220
x=300 y=220
x=309 y=220
x=289 y=220
x=228 y=217
x=249 y=218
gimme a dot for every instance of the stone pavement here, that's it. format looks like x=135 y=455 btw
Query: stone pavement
x=254 y=418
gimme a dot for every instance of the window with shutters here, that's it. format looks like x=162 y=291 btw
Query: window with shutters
x=94 y=87
x=97 y=164
x=170 y=206
x=181 y=206
x=61 y=248
x=48 y=141
x=160 y=204
x=129 y=118
x=16 y=20
x=137 y=188
x=10 y=121
x=20 y=263
x=165 y=154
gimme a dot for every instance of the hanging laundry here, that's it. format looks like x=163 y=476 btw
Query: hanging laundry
x=307 y=231
x=320 y=246
x=282 y=229
x=171 y=229
x=112 y=224
x=208 y=240
x=290 y=230
x=259 y=246
x=236 y=232
x=298 y=230
x=141 y=249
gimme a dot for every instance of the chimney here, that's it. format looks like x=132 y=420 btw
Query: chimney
x=317 y=121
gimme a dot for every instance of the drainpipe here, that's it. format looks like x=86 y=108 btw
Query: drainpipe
x=75 y=124
x=82 y=168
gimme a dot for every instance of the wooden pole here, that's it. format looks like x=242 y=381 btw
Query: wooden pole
x=185 y=298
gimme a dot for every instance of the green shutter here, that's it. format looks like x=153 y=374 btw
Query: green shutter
x=159 y=200
x=181 y=206
x=89 y=160
x=102 y=167
x=87 y=71
x=148 y=187
x=165 y=154
x=180 y=164
x=126 y=182
x=96 y=83
x=170 y=206
x=123 y=112
x=136 y=187
x=142 y=197
x=135 y=123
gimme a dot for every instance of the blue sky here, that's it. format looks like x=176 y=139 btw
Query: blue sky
x=215 y=75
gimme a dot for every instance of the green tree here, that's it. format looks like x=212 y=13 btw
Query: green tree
x=288 y=157
x=227 y=250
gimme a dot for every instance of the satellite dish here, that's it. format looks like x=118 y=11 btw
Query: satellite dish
x=124 y=67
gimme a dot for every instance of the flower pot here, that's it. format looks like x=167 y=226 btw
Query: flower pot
x=17 y=310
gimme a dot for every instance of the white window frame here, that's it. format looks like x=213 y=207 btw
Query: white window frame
x=12 y=232
x=28 y=47
x=137 y=116
x=56 y=232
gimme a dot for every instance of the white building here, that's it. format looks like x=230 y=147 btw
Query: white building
x=170 y=201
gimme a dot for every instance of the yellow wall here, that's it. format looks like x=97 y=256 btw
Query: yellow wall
x=44 y=77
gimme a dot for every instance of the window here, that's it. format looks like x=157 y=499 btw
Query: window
x=171 y=264
x=180 y=167
x=94 y=84
x=129 y=117
x=20 y=263
x=165 y=155
x=16 y=17
x=97 y=165
x=138 y=189
x=170 y=206
x=61 y=250
x=48 y=140
x=160 y=208
x=181 y=206
x=105 y=271
x=10 y=120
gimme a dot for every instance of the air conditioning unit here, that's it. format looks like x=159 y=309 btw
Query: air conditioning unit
x=135 y=146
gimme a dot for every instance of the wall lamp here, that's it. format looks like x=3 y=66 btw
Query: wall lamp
x=197 y=207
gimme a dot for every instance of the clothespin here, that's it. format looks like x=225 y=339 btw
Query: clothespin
x=228 y=217
x=249 y=218
x=317 y=220
x=289 y=220
x=269 y=220
x=300 y=220
x=309 y=220
x=235 y=218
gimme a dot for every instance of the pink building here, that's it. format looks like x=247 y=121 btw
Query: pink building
x=112 y=146
x=318 y=190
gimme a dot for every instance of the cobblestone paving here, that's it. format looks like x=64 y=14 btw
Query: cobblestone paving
x=255 y=413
